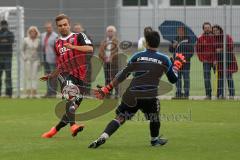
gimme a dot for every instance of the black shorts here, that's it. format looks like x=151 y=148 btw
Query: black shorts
x=66 y=79
x=150 y=108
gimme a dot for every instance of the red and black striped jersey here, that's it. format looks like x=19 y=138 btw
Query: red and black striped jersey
x=69 y=60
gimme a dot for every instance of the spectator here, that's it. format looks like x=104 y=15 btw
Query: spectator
x=142 y=41
x=6 y=42
x=49 y=57
x=182 y=44
x=205 y=52
x=31 y=57
x=231 y=62
x=108 y=52
x=78 y=28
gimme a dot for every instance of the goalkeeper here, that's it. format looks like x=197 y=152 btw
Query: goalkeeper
x=148 y=67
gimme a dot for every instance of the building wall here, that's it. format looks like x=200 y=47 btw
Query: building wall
x=194 y=17
x=130 y=21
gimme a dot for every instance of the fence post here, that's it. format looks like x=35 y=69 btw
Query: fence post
x=185 y=12
x=60 y=6
x=105 y=12
x=18 y=52
x=224 y=50
x=139 y=19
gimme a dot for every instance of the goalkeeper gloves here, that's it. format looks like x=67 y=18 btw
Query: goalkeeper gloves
x=101 y=92
x=178 y=61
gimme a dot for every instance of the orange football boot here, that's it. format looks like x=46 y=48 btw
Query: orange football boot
x=76 y=128
x=50 y=133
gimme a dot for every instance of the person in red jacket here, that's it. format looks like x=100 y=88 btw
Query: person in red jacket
x=205 y=52
x=231 y=62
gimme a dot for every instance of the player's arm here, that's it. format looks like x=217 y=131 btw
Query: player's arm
x=53 y=74
x=101 y=92
x=84 y=44
x=84 y=48
x=174 y=66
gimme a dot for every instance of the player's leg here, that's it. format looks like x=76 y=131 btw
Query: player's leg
x=231 y=87
x=178 y=94
x=69 y=116
x=151 y=110
x=8 y=79
x=123 y=113
x=186 y=79
x=75 y=128
x=72 y=105
x=220 y=85
x=1 y=71
x=207 y=79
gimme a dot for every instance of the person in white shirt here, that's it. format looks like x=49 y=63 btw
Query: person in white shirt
x=142 y=41
x=31 y=57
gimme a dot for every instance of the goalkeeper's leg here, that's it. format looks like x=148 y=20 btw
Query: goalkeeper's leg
x=151 y=109
x=123 y=113
x=154 y=131
x=109 y=130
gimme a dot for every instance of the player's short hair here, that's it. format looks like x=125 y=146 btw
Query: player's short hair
x=206 y=23
x=61 y=17
x=153 y=39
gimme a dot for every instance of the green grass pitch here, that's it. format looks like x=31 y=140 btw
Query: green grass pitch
x=199 y=130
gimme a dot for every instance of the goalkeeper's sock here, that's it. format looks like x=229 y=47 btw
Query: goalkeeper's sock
x=112 y=127
x=154 y=128
x=104 y=136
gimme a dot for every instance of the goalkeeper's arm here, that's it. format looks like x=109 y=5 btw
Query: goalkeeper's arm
x=101 y=92
x=177 y=63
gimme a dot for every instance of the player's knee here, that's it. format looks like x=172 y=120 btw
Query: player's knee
x=78 y=100
x=120 y=119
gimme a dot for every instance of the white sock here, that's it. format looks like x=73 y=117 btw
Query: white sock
x=154 y=138
x=104 y=135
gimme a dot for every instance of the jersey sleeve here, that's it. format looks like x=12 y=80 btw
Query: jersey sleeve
x=126 y=71
x=171 y=73
x=83 y=39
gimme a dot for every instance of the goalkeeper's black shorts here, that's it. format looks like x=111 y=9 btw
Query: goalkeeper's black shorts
x=150 y=108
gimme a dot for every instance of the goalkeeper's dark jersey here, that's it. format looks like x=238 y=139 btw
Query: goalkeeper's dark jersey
x=147 y=68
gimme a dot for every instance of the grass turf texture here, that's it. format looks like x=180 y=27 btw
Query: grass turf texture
x=210 y=130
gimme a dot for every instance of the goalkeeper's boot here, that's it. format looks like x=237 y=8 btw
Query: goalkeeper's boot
x=97 y=143
x=159 y=141
x=75 y=129
x=50 y=133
